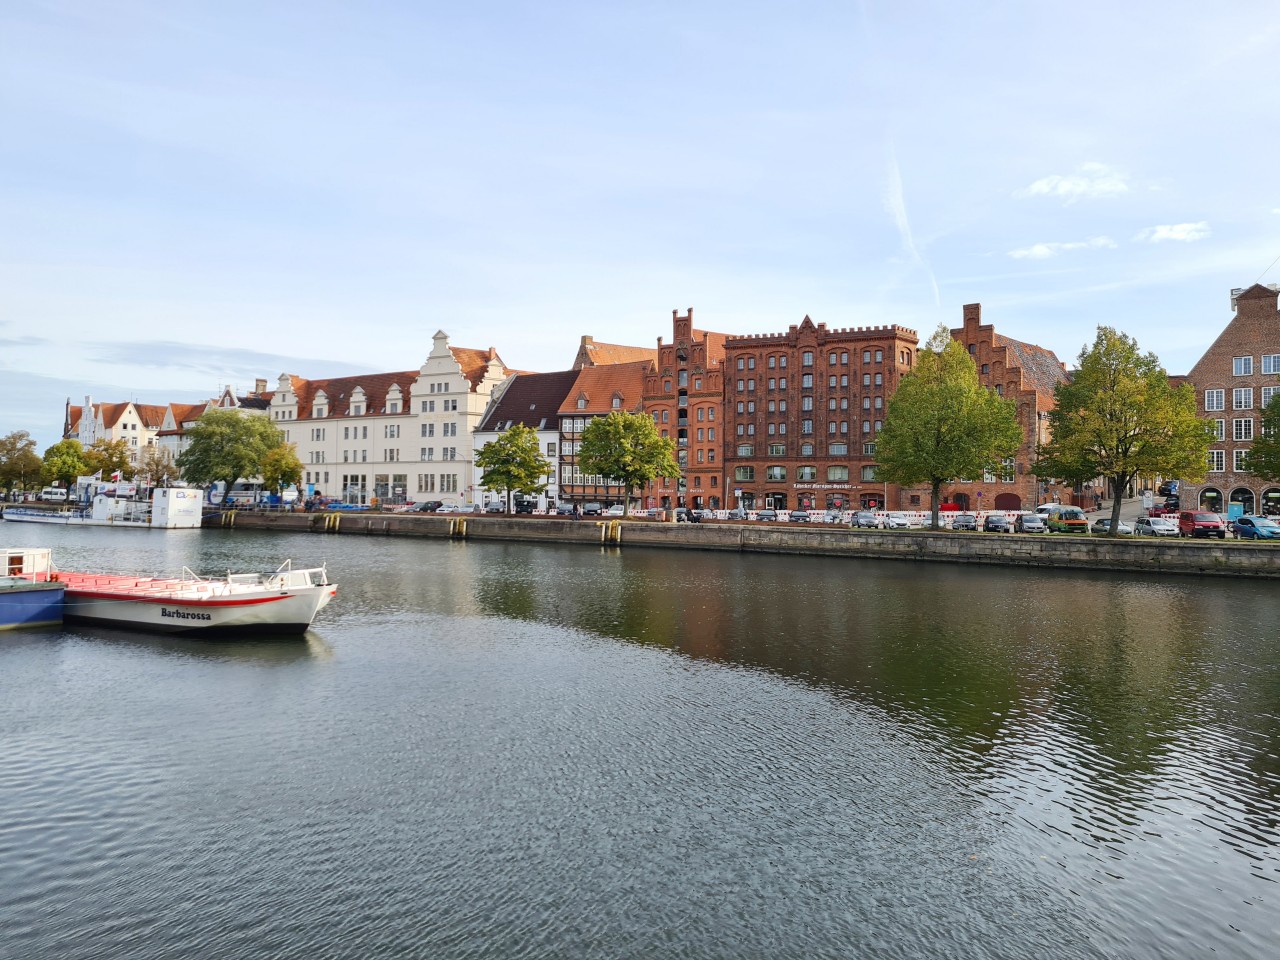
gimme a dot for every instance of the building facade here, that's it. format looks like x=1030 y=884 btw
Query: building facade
x=802 y=411
x=532 y=400
x=597 y=391
x=1234 y=381
x=135 y=423
x=1027 y=375
x=392 y=437
x=684 y=393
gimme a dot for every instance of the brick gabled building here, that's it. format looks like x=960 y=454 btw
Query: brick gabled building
x=532 y=400
x=597 y=391
x=684 y=394
x=592 y=353
x=802 y=410
x=1235 y=379
x=1028 y=375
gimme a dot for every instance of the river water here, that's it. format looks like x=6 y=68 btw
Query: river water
x=516 y=751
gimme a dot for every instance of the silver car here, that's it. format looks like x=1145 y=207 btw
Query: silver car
x=1155 y=527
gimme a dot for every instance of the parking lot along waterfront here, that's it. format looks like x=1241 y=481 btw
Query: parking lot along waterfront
x=512 y=750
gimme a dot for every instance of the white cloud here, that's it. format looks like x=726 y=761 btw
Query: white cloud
x=1043 y=251
x=1186 y=232
x=1091 y=181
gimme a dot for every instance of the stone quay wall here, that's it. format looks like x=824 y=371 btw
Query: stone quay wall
x=1142 y=555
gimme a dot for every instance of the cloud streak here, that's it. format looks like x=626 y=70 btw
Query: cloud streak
x=896 y=205
x=1091 y=181
x=1182 y=232
x=1043 y=251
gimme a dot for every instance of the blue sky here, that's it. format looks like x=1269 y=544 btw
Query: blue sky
x=195 y=194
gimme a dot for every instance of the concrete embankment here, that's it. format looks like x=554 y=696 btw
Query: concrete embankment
x=1212 y=558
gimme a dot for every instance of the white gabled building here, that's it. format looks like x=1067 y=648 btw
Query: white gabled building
x=391 y=436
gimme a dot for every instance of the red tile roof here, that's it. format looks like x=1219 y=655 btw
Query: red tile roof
x=531 y=399
x=599 y=385
x=592 y=353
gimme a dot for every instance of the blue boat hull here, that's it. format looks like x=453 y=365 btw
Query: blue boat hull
x=27 y=604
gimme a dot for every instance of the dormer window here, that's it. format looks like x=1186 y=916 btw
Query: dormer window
x=582 y=403
x=317 y=411
x=357 y=409
x=393 y=406
x=617 y=403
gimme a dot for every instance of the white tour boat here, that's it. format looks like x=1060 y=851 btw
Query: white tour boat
x=284 y=602
x=167 y=508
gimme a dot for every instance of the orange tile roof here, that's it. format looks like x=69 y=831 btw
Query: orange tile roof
x=151 y=414
x=338 y=390
x=474 y=363
x=593 y=353
x=601 y=384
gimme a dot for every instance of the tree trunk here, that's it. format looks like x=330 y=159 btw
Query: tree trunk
x=936 y=487
x=1117 y=485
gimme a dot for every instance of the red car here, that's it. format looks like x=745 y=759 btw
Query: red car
x=1201 y=523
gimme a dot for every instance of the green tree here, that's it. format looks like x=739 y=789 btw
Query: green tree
x=513 y=462
x=109 y=456
x=227 y=446
x=63 y=462
x=155 y=463
x=1118 y=417
x=943 y=424
x=626 y=447
x=281 y=467
x=1263 y=458
x=19 y=464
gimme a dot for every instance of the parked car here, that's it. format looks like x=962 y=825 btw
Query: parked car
x=899 y=521
x=767 y=515
x=1201 y=523
x=799 y=516
x=526 y=506
x=497 y=506
x=564 y=510
x=997 y=523
x=592 y=509
x=965 y=521
x=1103 y=525
x=832 y=516
x=705 y=514
x=1168 y=488
x=426 y=506
x=685 y=515
x=1155 y=527
x=737 y=513
x=1066 y=519
x=1254 y=527
x=1029 y=523
x=867 y=518
x=465 y=508
x=617 y=510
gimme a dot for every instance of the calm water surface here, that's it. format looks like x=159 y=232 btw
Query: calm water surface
x=508 y=751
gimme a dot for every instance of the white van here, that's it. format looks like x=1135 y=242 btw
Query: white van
x=53 y=495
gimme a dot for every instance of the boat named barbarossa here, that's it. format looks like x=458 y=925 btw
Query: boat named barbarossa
x=283 y=602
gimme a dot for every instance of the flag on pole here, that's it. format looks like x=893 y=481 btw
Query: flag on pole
x=116 y=475
x=97 y=476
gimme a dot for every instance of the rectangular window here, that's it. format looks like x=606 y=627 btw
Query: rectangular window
x=746 y=449
x=806 y=426
x=551 y=448
x=1242 y=429
x=868 y=449
x=806 y=381
x=742 y=385
x=775 y=473
x=1217 y=461
x=777 y=449
x=869 y=473
x=1237 y=460
x=806 y=358
x=1242 y=398
x=837 y=473
x=1267 y=394
x=744 y=474
x=806 y=473
x=879 y=356
x=1271 y=363
x=1242 y=366
x=424 y=410
x=1219 y=429
x=1215 y=399
x=838 y=450
x=806 y=403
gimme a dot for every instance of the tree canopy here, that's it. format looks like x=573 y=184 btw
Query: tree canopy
x=19 y=463
x=1263 y=459
x=943 y=424
x=513 y=462
x=64 y=461
x=1119 y=417
x=109 y=456
x=626 y=447
x=155 y=465
x=227 y=446
x=281 y=467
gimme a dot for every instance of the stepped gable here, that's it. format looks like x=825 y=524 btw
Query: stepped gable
x=1041 y=368
x=531 y=399
x=599 y=385
x=475 y=363
x=338 y=390
x=592 y=353
x=183 y=413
